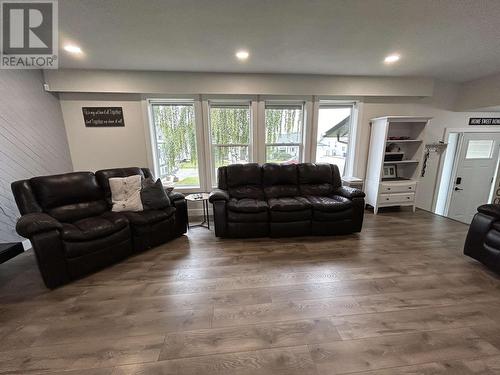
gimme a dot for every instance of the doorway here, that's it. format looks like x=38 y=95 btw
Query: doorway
x=469 y=171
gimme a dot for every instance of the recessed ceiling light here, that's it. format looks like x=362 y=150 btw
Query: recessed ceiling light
x=72 y=48
x=242 y=55
x=392 y=58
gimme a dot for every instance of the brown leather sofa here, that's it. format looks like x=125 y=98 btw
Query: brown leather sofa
x=281 y=200
x=483 y=238
x=69 y=222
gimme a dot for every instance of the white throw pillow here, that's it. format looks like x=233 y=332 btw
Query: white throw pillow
x=126 y=193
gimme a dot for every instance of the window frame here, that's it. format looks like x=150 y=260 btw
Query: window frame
x=327 y=103
x=257 y=147
x=198 y=135
x=282 y=104
x=228 y=103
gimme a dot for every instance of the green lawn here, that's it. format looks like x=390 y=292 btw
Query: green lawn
x=189 y=164
x=189 y=181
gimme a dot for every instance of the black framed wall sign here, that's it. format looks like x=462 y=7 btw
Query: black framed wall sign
x=484 y=121
x=97 y=117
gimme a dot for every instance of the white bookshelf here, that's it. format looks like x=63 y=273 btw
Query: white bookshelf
x=408 y=133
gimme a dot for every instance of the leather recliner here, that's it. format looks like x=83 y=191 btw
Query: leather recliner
x=69 y=221
x=281 y=200
x=483 y=238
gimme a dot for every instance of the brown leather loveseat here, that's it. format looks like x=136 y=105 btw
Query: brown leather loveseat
x=69 y=221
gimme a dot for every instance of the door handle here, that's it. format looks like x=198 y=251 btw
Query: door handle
x=457 y=188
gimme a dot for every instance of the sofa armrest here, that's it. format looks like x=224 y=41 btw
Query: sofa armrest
x=478 y=229
x=175 y=196
x=490 y=210
x=30 y=224
x=218 y=195
x=349 y=192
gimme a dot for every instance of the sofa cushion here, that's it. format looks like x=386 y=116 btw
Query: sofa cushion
x=333 y=203
x=247 y=217
x=244 y=181
x=288 y=216
x=104 y=175
x=315 y=179
x=243 y=174
x=76 y=211
x=280 y=180
x=310 y=173
x=93 y=227
x=332 y=216
x=247 y=205
x=126 y=193
x=153 y=195
x=65 y=189
x=69 y=197
x=149 y=217
x=288 y=204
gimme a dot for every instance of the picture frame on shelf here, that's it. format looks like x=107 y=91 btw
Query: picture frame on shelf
x=390 y=171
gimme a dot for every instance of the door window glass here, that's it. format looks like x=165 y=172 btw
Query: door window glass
x=479 y=149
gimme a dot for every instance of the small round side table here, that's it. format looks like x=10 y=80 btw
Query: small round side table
x=203 y=198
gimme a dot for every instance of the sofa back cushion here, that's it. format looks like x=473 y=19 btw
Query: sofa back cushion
x=69 y=197
x=317 y=179
x=280 y=180
x=104 y=175
x=244 y=181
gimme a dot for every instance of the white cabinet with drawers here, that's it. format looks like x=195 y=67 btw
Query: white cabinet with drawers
x=396 y=144
x=397 y=193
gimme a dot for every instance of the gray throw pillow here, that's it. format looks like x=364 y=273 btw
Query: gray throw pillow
x=153 y=195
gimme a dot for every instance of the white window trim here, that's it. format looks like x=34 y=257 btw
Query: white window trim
x=353 y=130
x=151 y=142
x=207 y=104
x=257 y=145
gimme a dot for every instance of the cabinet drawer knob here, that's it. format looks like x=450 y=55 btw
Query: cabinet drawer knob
x=386 y=199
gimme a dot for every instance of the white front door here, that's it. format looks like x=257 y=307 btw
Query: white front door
x=476 y=168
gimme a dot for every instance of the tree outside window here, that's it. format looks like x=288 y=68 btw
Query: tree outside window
x=230 y=134
x=175 y=136
x=284 y=125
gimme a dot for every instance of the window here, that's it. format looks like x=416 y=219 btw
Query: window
x=479 y=149
x=334 y=131
x=284 y=124
x=229 y=133
x=175 y=143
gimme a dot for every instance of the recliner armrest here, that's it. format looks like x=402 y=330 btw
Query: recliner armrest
x=30 y=224
x=490 y=210
x=175 y=196
x=349 y=192
x=218 y=195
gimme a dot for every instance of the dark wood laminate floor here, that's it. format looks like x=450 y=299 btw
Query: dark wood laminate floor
x=399 y=298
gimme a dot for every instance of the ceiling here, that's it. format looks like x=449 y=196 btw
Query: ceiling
x=455 y=40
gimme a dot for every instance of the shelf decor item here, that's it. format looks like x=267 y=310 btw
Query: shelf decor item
x=396 y=150
x=390 y=171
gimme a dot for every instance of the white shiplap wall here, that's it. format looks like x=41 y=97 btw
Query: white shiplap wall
x=32 y=139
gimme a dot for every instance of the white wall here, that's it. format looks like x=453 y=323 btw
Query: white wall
x=479 y=93
x=32 y=138
x=98 y=148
